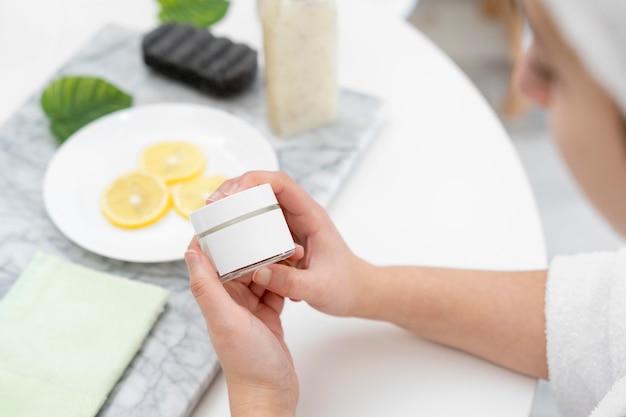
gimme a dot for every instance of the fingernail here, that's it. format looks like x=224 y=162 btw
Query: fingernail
x=231 y=189
x=217 y=194
x=191 y=258
x=262 y=276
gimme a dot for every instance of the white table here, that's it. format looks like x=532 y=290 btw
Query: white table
x=441 y=185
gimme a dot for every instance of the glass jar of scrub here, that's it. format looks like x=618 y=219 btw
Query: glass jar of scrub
x=243 y=232
x=300 y=45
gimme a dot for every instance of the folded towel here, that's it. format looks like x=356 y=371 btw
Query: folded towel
x=586 y=330
x=66 y=335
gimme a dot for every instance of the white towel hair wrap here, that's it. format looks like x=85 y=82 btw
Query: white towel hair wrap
x=596 y=29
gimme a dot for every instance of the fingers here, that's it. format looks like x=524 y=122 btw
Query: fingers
x=227 y=188
x=256 y=289
x=292 y=198
x=297 y=254
x=285 y=281
x=274 y=301
x=205 y=285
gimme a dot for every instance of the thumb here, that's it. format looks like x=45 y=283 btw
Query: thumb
x=204 y=283
x=284 y=280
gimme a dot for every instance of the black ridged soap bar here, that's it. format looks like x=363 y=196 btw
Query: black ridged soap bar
x=194 y=56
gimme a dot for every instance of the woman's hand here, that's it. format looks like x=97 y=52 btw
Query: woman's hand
x=243 y=320
x=323 y=272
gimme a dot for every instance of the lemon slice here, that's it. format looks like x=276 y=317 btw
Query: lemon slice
x=135 y=200
x=173 y=160
x=191 y=195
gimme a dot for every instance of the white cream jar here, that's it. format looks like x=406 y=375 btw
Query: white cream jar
x=243 y=232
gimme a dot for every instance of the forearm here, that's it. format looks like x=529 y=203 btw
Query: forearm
x=498 y=316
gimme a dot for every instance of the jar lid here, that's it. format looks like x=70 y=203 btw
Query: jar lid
x=232 y=207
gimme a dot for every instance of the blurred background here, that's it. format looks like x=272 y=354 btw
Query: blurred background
x=479 y=44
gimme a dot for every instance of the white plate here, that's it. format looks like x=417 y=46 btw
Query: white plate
x=110 y=146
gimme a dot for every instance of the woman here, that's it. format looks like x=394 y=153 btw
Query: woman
x=567 y=324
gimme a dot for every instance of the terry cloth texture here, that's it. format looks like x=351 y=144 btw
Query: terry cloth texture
x=586 y=333
x=67 y=333
x=614 y=404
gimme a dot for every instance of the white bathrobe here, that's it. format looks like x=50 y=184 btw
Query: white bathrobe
x=586 y=334
x=586 y=294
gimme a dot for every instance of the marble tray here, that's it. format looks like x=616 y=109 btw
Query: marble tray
x=176 y=363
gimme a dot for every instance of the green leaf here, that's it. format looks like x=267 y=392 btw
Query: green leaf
x=199 y=13
x=72 y=102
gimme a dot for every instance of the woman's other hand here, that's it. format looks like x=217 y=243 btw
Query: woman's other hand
x=323 y=271
x=243 y=320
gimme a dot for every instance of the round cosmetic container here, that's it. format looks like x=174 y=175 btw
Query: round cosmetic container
x=243 y=232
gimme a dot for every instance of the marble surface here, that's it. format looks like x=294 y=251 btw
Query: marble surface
x=177 y=362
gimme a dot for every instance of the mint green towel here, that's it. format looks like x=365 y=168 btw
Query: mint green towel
x=67 y=333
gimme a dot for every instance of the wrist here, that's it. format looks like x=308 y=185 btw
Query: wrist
x=393 y=294
x=261 y=401
x=260 y=410
x=366 y=301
